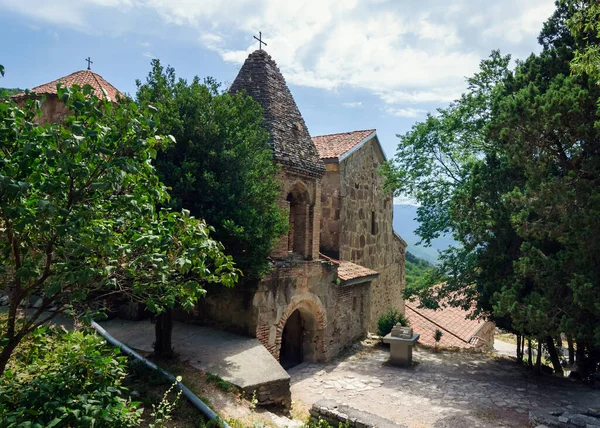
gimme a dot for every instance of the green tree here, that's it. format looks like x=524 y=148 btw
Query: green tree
x=548 y=123
x=417 y=271
x=523 y=200
x=585 y=23
x=77 y=207
x=221 y=167
x=7 y=92
x=441 y=163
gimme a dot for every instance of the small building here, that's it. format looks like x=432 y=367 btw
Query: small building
x=458 y=330
x=53 y=109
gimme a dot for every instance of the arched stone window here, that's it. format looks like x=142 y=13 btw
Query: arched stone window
x=299 y=241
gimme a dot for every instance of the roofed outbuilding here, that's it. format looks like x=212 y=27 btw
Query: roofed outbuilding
x=459 y=331
x=102 y=88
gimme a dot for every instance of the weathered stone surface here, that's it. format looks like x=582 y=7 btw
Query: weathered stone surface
x=363 y=231
x=242 y=361
x=291 y=142
x=334 y=413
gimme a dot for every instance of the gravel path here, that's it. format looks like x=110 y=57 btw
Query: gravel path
x=441 y=390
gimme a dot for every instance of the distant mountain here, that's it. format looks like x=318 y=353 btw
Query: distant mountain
x=405 y=225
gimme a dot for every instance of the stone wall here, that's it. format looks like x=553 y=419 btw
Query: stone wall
x=53 y=110
x=331 y=203
x=484 y=338
x=366 y=234
x=299 y=186
x=339 y=413
x=335 y=316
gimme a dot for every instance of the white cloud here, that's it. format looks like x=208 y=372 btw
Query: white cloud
x=405 y=112
x=353 y=104
x=403 y=52
x=149 y=55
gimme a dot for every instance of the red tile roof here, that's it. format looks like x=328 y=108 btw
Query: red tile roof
x=335 y=145
x=458 y=331
x=81 y=78
x=348 y=271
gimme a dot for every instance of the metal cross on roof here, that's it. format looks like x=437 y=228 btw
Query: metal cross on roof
x=260 y=42
x=89 y=61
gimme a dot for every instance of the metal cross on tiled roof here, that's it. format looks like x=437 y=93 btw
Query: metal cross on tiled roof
x=260 y=42
x=89 y=61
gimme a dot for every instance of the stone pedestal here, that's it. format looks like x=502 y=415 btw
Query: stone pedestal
x=401 y=341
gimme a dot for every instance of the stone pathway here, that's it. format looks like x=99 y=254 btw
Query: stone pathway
x=441 y=390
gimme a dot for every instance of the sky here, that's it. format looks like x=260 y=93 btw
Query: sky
x=350 y=64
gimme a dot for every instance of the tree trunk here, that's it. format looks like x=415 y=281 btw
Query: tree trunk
x=529 y=354
x=571 y=350
x=554 y=355
x=581 y=360
x=538 y=360
x=522 y=347
x=7 y=352
x=519 y=354
x=163 y=328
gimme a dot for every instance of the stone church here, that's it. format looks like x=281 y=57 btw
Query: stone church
x=341 y=265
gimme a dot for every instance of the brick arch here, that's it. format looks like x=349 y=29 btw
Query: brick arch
x=301 y=217
x=299 y=187
x=313 y=312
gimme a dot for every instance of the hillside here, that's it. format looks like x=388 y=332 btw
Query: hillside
x=405 y=225
x=416 y=270
x=10 y=91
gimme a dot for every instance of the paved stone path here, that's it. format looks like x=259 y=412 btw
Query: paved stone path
x=441 y=390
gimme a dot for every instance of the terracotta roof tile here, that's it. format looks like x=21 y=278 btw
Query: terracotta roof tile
x=348 y=270
x=456 y=328
x=335 y=145
x=81 y=78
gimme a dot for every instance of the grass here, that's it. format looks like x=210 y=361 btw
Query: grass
x=148 y=387
x=506 y=337
x=223 y=385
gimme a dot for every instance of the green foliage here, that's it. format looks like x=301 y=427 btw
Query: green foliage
x=163 y=410
x=417 y=273
x=388 y=320
x=60 y=378
x=585 y=24
x=512 y=170
x=78 y=205
x=223 y=385
x=7 y=92
x=172 y=257
x=438 y=335
x=220 y=167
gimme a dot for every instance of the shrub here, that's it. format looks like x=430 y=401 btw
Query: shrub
x=388 y=320
x=61 y=378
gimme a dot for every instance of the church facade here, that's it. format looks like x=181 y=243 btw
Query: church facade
x=341 y=264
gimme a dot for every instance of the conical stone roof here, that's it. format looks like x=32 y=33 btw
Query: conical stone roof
x=291 y=142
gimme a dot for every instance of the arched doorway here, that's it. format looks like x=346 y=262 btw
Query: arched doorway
x=298 y=339
x=299 y=235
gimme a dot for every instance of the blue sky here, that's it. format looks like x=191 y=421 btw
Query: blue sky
x=350 y=64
